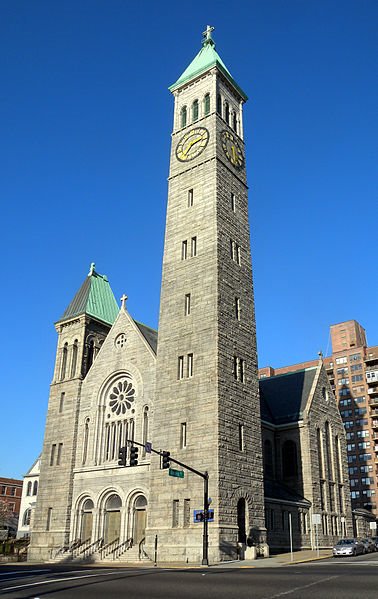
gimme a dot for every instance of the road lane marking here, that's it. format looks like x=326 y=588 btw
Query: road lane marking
x=306 y=586
x=23 y=572
x=54 y=580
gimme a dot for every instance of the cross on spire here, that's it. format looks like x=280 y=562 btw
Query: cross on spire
x=123 y=301
x=207 y=35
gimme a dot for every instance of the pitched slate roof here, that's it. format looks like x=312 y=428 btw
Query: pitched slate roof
x=150 y=335
x=284 y=397
x=206 y=58
x=94 y=298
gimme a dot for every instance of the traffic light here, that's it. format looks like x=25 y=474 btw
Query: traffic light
x=166 y=460
x=133 y=456
x=122 y=456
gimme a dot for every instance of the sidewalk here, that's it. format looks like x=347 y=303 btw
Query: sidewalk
x=281 y=559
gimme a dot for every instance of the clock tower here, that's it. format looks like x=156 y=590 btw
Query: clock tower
x=207 y=411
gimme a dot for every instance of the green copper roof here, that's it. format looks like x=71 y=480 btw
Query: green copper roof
x=206 y=58
x=94 y=298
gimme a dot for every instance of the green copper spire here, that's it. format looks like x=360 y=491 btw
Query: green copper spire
x=206 y=58
x=94 y=298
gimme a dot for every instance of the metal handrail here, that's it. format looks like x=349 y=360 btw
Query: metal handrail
x=79 y=546
x=141 y=548
x=108 y=548
x=91 y=548
x=122 y=547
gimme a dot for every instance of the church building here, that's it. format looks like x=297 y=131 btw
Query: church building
x=188 y=396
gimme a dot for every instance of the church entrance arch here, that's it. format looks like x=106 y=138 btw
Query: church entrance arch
x=112 y=522
x=86 y=520
x=140 y=518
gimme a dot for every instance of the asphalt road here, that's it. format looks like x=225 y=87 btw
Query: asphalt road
x=347 y=578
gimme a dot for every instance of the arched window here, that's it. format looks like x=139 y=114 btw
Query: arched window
x=86 y=520
x=289 y=459
x=219 y=104
x=85 y=444
x=183 y=116
x=242 y=524
x=234 y=122
x=74 y=358
x=206 y=104
x=64 y=361
x=320 y=453
x=26 y=517
x=328 y=450
x=195 y=111
x=227 y=112
x=268 y=458
x=29 y=488
x=35 y=487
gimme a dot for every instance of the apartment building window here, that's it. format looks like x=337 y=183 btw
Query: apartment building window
x=342 y=360
x=351 y=459
x=190 y=198
x=233 y=202
x=349 y=436
x=175 y=513
x=2 y=490
x=187 y=304
x=360 y=399
x=193 y=247
x=184 y=250
x=343 y=392
x=366 y=469
x=355 y=494
x=354 y=482
x=343 y=370
x=180 y=373
x=351 y=447
x=346 y=413
x=353 y=470
x=348 y=424
x=343 y=381
x=343 y=403
x=183 y=435
x=365 y=457
x=368 y=493
x=363 y=434
x=360 y=411
x=357 y=377
x=367 y=481
x=237 y=308
x=355 y=367
x=362 y=422
x=190 y=365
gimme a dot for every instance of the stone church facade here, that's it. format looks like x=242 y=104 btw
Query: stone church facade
x=194 y=392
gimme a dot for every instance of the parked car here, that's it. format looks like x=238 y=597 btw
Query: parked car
x=375 y=541
x=348 y=547
x=369 y=544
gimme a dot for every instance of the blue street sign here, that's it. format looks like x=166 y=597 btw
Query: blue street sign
x=148 y=447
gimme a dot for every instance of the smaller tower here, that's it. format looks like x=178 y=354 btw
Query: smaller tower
x=81 y=332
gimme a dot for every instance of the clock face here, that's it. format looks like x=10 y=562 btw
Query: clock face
x=232 y=149
x=192 y=144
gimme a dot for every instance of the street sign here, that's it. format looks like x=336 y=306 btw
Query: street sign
x=316 y=519
x=373 y=526
x=198 y=516
x=148 y=447
x=176 y=473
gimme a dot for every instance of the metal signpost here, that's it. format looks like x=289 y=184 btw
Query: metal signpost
x=316 y=520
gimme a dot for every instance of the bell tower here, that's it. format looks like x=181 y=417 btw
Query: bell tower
x=81 y=332
x=207 y=411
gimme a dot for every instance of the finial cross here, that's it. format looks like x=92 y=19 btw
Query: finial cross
x=207 y=34
x=123 y=301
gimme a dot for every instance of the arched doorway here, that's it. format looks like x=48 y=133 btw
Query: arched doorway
x=86 y=520
x=242 y=521
x=140 y=517
x=112 y=522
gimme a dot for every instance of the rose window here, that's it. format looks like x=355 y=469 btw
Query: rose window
x=121 y=397
x=120 y=341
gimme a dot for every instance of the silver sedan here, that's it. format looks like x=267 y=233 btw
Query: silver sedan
x=348 y=547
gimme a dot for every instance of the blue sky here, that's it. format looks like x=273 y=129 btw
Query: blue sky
x=85 y=134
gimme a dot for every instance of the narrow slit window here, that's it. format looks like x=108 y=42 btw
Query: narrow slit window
x=186 y=513
x=241 y=437
x=233 y=202
x=175 y=513
x=59 y=454
x=187 y=304
x=242 y=370
x=180 y=368
x=61 y=402
x=190 y=198
x=183 y=435
x=237 y=308
x=219 y=104
x=49 y=518
x=227 y=112
x=193 y=247
x=52 y=454
x=184 y=250
x=234 y=122
x=190 y=365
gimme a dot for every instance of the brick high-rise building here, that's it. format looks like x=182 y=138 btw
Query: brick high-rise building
x=353 y=373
